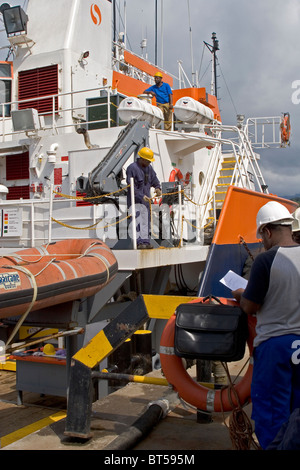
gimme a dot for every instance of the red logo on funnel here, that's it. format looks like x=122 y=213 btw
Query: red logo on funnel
x=96 y=14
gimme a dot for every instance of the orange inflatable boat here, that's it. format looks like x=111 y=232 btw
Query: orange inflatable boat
x=36 y=278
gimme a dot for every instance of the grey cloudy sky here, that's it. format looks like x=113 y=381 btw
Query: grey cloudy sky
x=258 y=58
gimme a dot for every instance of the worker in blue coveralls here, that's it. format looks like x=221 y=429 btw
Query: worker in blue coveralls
x=164 y=98
x=145 y=178
x=272 y=294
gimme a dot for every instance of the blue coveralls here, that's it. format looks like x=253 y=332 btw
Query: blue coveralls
x=275 y=390
x=144 y=180
x=162 y=92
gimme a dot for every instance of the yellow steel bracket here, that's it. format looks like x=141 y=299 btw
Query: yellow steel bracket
x=101 y=346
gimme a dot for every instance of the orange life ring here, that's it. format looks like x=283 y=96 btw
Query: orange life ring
x=192 y=392
x=176 y=174
x=285 y=128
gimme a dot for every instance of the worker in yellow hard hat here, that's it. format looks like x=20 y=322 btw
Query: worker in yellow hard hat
x=144 y=178
x=164 y=98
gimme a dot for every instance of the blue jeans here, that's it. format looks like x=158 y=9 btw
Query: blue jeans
x=275 y=389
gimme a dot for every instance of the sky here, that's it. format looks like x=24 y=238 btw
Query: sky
x=258 y=61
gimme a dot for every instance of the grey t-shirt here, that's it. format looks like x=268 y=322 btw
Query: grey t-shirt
x=274 y=283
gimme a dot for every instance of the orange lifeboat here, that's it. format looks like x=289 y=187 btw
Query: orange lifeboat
x=52 y=274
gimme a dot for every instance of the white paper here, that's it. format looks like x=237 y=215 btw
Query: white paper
x=233 y=281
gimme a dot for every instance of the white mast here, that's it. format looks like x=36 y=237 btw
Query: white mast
x=191 y=45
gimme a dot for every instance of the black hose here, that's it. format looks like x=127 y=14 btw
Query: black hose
x=140 y=428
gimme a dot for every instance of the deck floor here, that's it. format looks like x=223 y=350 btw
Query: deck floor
x=25 y=427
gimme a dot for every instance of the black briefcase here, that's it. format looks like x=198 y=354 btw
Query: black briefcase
x=211 y=331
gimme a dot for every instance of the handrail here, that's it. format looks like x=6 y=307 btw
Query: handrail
x=251 y=130
x=59 y=113
x=245 y=146
x=91 y=220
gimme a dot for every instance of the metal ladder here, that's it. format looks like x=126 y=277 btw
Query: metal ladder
x=238 y=168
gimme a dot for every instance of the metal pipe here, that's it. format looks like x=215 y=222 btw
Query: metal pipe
x=156 y=411
x=142 y=379
x=129 y=378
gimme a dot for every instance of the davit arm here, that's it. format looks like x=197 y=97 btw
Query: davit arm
x=106 y=177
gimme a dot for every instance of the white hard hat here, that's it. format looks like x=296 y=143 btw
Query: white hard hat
x=272 y=213
x=296 y=221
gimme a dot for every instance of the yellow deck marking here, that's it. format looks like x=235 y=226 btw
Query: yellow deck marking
x=163 y=306
x=8 y=365
x=31 y=428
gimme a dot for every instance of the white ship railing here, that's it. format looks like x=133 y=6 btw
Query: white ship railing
x=60 y=117
x=245 y=162
x=59 y=218
x=264 y=132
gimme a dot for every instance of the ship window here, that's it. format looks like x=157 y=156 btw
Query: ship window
x=201 y=177
x=5 y=88
x=5 y=97
x=5 y=70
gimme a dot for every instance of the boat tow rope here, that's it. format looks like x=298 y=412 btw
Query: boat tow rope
x=240 y=426
x=104 y=260
x=24 y=316
x=242 y=241
x=83 y=198
x=183 y=219
x=94 y=226
x=32 y=278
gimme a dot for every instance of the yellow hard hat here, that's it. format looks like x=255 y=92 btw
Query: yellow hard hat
x=158 y=74
x=49 y=349
x=147 y=154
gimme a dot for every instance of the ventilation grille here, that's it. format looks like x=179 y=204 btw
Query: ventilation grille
x=82 y=203
x=18 y=192
x=17 y=167
x=39 y=82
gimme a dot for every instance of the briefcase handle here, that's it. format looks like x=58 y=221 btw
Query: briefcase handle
x=210 y=298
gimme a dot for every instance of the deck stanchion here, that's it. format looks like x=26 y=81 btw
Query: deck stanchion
x=133 y=214
x=50 y=214
x=105 y=342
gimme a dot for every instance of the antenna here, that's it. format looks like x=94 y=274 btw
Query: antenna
x=162 y=33
x=191 y=44
x=213 y=49
x=155 y=61
x=125 y=22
